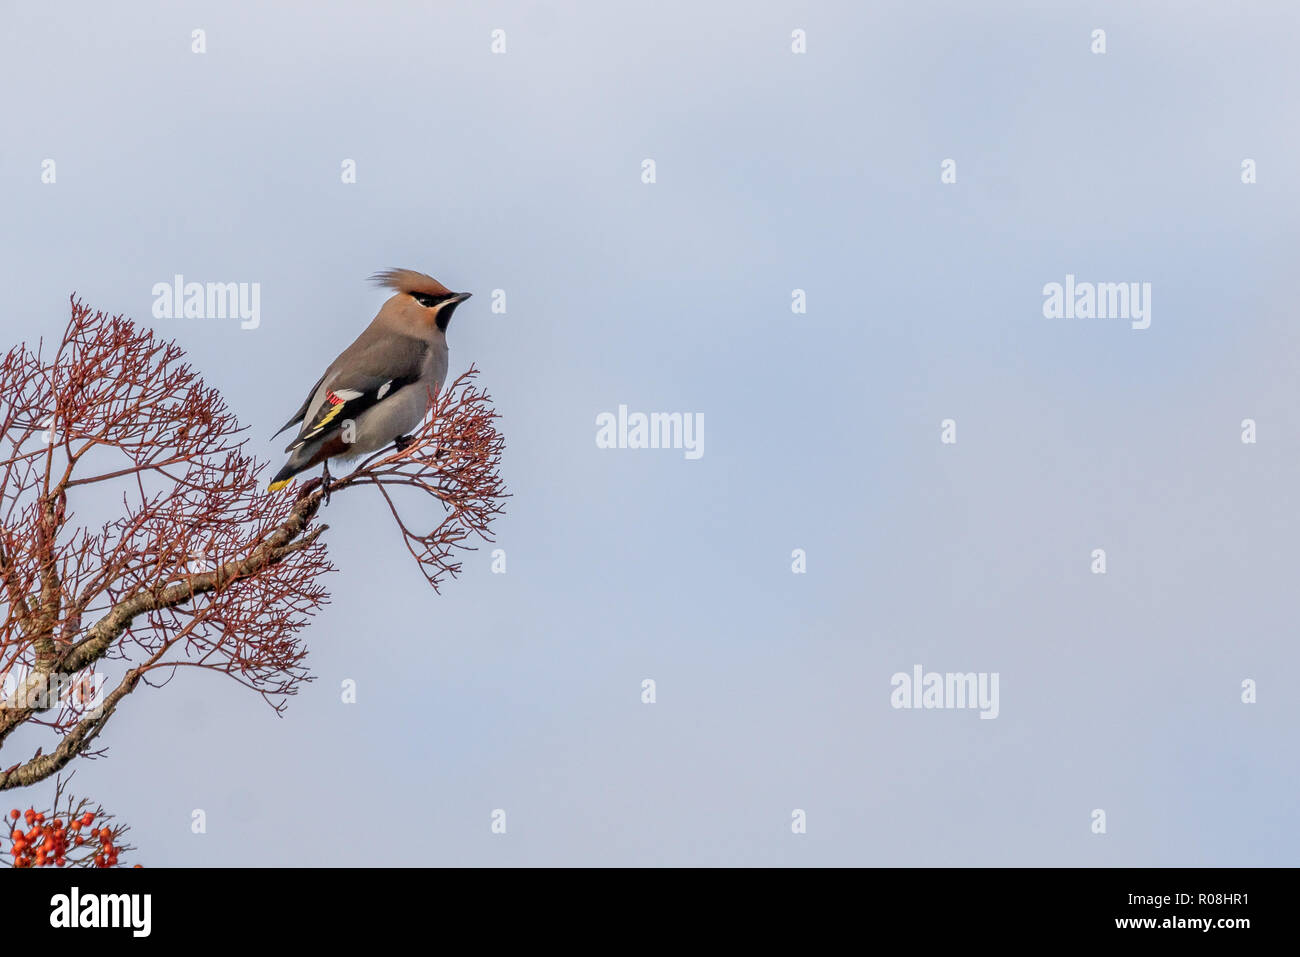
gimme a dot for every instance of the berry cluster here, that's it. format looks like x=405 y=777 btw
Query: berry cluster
x=49 y=843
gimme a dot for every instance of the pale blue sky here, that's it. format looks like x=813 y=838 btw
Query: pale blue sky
x=522 y=172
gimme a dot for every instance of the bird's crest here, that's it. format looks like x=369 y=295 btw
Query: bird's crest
x=409 y=281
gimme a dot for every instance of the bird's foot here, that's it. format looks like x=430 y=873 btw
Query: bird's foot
x=325 y=480
x=403 y=442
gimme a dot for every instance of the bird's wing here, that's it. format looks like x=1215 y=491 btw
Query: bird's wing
x=358 y=386
x=302 y=410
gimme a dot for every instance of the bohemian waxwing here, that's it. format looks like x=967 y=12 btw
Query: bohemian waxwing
x=377 y=390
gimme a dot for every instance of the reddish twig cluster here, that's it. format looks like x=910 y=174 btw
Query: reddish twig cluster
x=456 y=459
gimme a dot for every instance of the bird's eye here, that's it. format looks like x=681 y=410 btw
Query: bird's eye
x=425 y=299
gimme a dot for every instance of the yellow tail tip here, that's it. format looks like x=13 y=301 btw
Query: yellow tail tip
x=276 y=486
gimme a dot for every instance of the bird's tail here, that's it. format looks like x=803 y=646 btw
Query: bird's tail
x=297 y=462
x=282 y=478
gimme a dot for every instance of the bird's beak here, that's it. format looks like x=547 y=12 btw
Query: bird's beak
x=460 y=296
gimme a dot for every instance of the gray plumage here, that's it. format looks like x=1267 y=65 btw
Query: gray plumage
x=378 y=389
